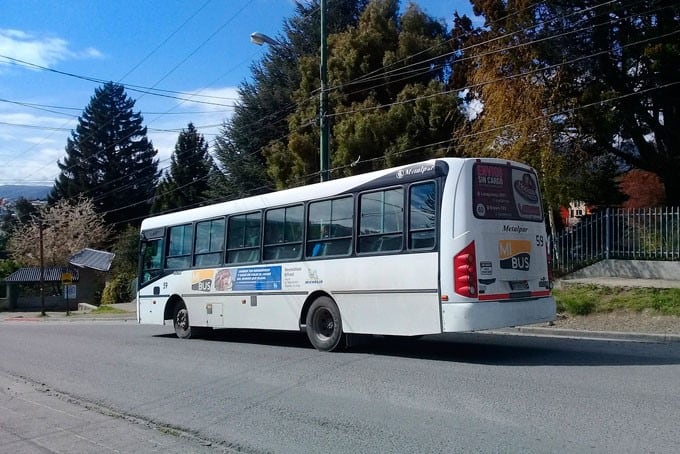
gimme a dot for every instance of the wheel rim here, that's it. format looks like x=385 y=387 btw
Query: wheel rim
x=183 y=319
x=324 y=324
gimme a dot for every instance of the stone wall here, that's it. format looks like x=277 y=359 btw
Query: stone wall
x=631 y=269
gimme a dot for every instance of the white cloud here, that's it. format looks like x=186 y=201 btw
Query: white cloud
x=43 y=51
x=31 y=146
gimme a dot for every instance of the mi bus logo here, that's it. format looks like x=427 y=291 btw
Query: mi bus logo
x=201 y=280
x=515 y=254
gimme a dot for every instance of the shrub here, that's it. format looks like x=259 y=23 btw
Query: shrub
x=576 y=300
x=118 y=290
x=579 y=306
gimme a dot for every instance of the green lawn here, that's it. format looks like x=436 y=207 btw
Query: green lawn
x=587 y=299
x=106 y=309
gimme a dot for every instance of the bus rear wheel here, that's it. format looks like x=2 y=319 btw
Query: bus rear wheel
x=324 y=325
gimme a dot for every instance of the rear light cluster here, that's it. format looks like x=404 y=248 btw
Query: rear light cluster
x=465 y=272
x=549 y=256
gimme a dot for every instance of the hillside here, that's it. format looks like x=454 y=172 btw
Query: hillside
x=29 y=192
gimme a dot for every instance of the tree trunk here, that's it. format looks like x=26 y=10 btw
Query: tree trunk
x=671 y=182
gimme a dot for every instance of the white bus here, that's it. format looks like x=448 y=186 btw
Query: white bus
x=438 y=246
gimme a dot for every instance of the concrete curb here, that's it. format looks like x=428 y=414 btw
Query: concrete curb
x=598 y=335
x=75 y=317
x=519 y=330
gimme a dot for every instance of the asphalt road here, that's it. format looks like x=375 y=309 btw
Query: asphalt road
x=253 y=392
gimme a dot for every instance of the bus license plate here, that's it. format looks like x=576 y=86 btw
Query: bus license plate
x=519 y=285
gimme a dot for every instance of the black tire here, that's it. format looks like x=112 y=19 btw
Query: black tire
x=324 y=324
x=181 y=322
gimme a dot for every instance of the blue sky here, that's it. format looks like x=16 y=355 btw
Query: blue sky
x=201 y=47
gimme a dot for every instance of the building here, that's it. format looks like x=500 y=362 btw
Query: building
x=87 y=270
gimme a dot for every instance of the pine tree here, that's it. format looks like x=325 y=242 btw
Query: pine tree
x=186 y=183
x=261 y=115
x=109 y=159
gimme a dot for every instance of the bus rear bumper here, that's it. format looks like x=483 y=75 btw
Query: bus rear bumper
x=480 y=315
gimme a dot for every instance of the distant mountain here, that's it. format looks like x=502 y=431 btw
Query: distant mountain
x=15 y=191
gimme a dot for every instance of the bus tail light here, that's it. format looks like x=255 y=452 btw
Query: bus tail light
x=465 y=272
x=548 y=255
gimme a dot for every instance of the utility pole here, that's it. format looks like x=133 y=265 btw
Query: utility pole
x=324 y=154
x=42 y=271
x=323 y=107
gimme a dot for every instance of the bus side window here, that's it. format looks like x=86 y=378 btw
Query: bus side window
x=283 y=233
x=179 y=247
x=329 y=227
x=243 y=238
x=209 y=245
x=381 y=217
x=422 y=216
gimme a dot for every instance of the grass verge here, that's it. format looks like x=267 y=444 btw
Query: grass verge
x=106 y=309
x=588 y=299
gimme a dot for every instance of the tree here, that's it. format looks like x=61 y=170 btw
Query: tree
x=387 y=98
x=186 y=183
x=617 y=92
x=67 y=227
x=243 y=172
x=509 y=82
x=643 y=189
x=623 y=78
x=109 y=159
x=261 y=115
x=21 y=212
x=120 y=286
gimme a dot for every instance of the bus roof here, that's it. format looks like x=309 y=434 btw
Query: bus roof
x=380 y=178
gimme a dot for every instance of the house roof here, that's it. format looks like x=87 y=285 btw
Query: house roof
x=92 y=258
x=85 y=258
x=52 y=274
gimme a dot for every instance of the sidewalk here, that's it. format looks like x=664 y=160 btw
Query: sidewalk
x=39 y=419
x=123 y=312
x=619 y=282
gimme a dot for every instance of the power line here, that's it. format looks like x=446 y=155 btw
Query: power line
x=524 y=74
x=449 y=141
x=150 y=90
x=531 y=72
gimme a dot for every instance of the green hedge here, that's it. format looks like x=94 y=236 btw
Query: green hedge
x=118 y=289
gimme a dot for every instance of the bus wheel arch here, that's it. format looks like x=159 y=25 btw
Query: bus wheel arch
x=308 y=303
x=171 y=307
x=323 y=323
x=176 y=310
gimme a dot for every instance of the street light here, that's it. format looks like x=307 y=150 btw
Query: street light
x=324 y=156
x=260 y=39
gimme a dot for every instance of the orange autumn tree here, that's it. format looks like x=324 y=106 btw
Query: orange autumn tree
x=644 y=189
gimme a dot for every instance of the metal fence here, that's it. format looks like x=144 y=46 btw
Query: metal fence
x=618 y=233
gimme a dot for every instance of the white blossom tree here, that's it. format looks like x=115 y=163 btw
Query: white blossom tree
x=67 y=227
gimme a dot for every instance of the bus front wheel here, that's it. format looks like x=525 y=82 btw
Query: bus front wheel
x=181 y=322
x=324 y=325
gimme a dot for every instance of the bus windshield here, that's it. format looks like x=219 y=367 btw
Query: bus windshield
x=151 y=256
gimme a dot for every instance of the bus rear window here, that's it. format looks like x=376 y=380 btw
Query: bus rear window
x=505 y=192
